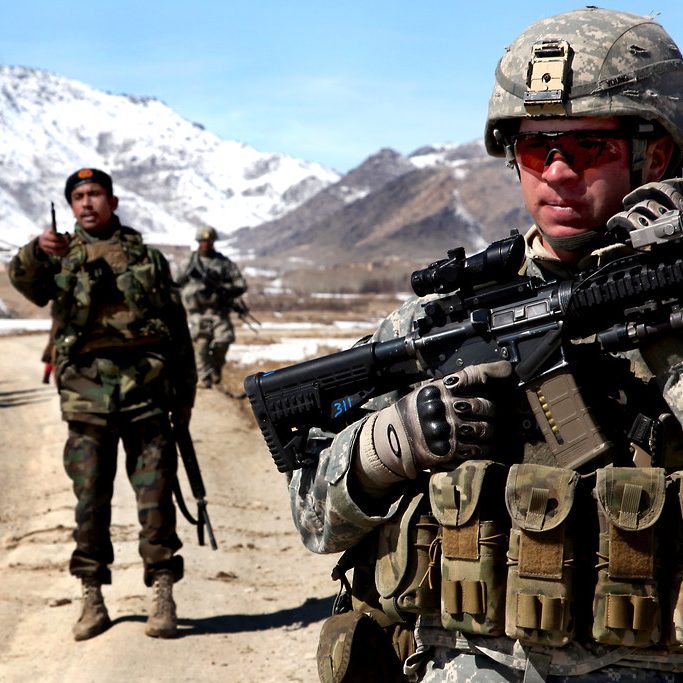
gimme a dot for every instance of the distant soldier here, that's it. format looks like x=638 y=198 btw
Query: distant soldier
x=48 y=355
x=123 y=364
x=210 y=283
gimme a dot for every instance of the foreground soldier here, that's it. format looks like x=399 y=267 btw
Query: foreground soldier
x=587 y=107
x=210 y=284
x=119 y=328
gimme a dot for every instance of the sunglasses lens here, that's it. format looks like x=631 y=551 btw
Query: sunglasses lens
x=580 y=151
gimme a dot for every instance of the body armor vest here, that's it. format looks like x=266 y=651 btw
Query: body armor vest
x=109 y=294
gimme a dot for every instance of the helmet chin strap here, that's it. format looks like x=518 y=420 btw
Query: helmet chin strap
x=580 y=242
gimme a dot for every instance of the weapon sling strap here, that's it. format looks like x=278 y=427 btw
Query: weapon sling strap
x=199 y=522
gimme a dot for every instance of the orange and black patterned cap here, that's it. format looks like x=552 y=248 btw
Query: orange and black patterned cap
x=88 y=175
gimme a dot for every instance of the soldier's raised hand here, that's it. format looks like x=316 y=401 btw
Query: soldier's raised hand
x=53 y=243
x=440 y=421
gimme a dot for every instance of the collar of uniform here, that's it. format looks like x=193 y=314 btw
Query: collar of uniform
x=540 y=262
x=107 y=233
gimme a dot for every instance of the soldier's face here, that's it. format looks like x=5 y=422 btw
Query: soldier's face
x=92 y=207
x=578 y=187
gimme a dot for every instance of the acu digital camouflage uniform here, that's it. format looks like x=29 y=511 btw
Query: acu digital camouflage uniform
x=210 y=284
x=329 y=519
x=641 y=77
x=119 y=329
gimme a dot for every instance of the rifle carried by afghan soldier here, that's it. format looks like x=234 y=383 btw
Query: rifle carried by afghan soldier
x=487 y=312
x=183 y=439
x=244 y=314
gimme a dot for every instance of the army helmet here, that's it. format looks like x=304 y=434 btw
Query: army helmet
x=206 y=234
x=588 y=62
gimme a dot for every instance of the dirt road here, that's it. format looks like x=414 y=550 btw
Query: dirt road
x=250 y=611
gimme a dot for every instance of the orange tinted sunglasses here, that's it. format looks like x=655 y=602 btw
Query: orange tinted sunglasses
x=581 y=149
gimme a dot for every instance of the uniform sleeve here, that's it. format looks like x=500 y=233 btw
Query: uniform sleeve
x=664 y=358
x=329 y=513
x=234 y=283
x=184 y=368
x=32 y=273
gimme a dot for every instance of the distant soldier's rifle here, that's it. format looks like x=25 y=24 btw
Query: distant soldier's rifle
x=244 y=314
x=183 y=439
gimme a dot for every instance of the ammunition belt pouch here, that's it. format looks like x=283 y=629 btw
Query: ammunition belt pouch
x=540 y=554
x=405 y=576
x=354 y=648
x=473 y=539
x=626 y=609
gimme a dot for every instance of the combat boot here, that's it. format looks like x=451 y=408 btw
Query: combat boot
x=94 y=617
x=162 y=621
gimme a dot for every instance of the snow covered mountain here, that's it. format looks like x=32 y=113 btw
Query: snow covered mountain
x=171 y=175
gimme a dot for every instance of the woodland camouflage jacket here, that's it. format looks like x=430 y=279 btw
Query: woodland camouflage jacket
x=111 y=296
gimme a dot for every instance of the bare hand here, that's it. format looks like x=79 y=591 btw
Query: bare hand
x=53 y=243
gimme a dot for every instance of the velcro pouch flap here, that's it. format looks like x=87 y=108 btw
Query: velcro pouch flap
x=632 y=498
x=454 y=495
x=539 y=497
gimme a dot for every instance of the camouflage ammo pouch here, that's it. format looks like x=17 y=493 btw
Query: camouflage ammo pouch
x=540 y=554
x=404 y=575
x=353 y=648
x=626 y=609
x=473 y=537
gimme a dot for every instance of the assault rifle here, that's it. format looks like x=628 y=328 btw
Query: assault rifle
x=486 y=312
x=244 y=314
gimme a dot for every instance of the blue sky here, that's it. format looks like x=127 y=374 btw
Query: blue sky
x=325 y=81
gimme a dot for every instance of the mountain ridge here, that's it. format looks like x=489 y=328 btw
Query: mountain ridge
x=173 y=176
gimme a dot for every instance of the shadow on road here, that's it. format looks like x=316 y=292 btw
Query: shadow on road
x=312 y=610
x=21 y=397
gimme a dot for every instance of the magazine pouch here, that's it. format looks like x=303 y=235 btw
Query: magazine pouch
x=467 y=503
x=626 y=607
x=540 y=554
x=405 y=578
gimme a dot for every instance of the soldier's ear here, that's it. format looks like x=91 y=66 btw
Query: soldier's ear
x=113 y=202
x=658 y=156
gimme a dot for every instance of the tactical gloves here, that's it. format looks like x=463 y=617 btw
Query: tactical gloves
x=440 y=421
x=646 y=204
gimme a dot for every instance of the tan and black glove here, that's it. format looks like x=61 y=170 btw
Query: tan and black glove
x=440 y=421
x=646 y=204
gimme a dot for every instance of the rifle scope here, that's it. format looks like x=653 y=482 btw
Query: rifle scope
x=499 y=262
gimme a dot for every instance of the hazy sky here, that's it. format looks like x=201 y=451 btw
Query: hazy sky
x=325 y=81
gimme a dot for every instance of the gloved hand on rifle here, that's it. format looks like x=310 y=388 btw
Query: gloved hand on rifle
x=440 y=421
x=646 y=204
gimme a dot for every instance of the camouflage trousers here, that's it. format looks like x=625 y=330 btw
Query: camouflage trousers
x=212 y=335
x=90 y=460
x=451 y=666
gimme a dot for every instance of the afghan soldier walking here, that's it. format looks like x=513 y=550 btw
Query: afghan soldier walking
x=210 y=284
x=119 y=329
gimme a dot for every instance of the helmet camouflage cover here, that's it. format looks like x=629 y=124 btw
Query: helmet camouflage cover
x=206 y=234
x=589 y=62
